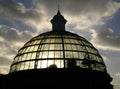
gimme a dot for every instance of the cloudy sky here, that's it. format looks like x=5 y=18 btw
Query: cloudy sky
x=96 y=20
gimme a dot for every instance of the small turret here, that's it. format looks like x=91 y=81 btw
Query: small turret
x=58 y=22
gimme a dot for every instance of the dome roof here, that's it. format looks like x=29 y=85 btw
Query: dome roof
x=58 y=49
x=63 y=49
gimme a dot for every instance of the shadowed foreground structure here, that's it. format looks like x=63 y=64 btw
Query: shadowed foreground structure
x=57 y=59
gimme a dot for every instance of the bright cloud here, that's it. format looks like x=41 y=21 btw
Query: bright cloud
x=117 y=74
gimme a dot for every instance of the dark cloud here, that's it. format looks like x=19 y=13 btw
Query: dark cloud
x=107 y=39
x=13 y=10
x=74 y=6
x=11 y=34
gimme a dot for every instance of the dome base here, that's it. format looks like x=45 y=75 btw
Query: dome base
x=58 y=78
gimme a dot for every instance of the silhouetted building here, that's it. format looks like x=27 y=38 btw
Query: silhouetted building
x=57 y=59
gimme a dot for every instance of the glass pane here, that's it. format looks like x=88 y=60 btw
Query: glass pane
x=52 y=40
x=39 y=64
x=26 y=49
x=31 y=64
x=76 y=41
x=51 y=47
x=58 y=54
x=33 y=55
x=24 y=57
x=69 y=54
x=23 y=50
x=28 y=56
x=45 y=47
x=81 y=55
x=67 y=47
x=20 y=58
x=58 y=46
x=26 y=65
x=66 y=40
x=80 y=42
x=74 y=47
x=81 y=48
x=17 y=67
x=92 y=50
x=50 y=62
x=71 y=40
x=76 y=55
x=31 y=48
x=78 y=63
x=59 y=63
x=22 y=66
x=43 y=63
x=48 y=41
x=13 y=68
x=58 y=40
x=35 y=48
x=51 y=54
x=45 y=55
x=36 y=42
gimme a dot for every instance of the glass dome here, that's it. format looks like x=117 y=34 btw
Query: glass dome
x=58 y=49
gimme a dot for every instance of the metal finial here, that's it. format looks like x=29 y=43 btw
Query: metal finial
x=58 y=7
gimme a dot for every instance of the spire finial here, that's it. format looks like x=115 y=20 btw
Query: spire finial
x=58 y=10
x=58 y=7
